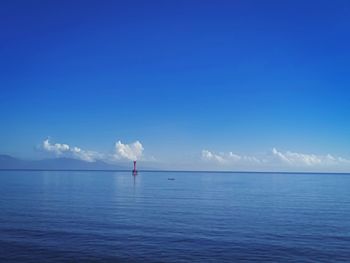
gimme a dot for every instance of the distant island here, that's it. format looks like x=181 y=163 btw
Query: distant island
x=8 y=162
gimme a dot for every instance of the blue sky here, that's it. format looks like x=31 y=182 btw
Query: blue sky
x=181 y=77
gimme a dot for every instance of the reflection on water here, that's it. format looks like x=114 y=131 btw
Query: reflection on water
x=197 y=217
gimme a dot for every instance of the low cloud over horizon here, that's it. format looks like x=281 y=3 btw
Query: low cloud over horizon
x=131 y=152
x=287 y=160
x=274 y=160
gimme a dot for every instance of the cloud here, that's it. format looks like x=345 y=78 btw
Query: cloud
x=229 y=158
x=302 y=159
x=64 y=150
x=207 y=155
x=274 y=159
x=133 y=151
x=56 y=148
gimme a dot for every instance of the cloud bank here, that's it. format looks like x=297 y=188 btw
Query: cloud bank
x=133 y=151
x=65 y=150
x=302 y=159
x=275 y=159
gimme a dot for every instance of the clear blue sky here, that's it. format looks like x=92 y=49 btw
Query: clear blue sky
x=179 y=76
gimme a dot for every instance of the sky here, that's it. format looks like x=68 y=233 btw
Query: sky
x=231 y=85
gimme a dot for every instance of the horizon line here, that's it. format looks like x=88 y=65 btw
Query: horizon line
x=174 y=171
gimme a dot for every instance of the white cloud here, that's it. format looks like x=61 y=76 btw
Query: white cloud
x=207 y=155
x=56 y=148
x=64 y=150
x=310 y=160
x=229 y=158
x=133 y=151
x=275 y=158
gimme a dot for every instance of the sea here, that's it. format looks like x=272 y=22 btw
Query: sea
x=105 y=216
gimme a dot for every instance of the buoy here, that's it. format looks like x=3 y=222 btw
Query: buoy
x=134 y=171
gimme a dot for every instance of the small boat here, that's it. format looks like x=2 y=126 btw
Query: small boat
x=171 y=179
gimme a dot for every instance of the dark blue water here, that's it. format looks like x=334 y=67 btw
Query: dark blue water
x=198 y=217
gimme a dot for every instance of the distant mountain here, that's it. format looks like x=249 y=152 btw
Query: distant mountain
x=9 y=162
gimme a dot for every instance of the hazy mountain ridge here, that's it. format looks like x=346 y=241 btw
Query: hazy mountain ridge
x=8 y=162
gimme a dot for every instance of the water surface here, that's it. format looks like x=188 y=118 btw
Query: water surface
x=198 y=217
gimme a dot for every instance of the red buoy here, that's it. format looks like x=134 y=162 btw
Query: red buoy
x=134 y=171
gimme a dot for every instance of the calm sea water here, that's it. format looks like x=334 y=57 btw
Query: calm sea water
x=198 y=217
